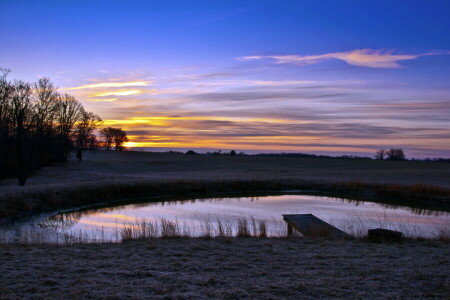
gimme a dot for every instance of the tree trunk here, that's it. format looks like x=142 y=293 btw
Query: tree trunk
x=21 y=165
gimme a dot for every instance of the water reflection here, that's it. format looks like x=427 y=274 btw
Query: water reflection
x=346 y=214
x=66 y=220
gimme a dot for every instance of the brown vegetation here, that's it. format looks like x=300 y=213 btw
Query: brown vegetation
x=223 y=268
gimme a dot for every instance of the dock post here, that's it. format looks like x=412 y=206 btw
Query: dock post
x=289 y=230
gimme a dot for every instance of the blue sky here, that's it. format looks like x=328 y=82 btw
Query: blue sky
x=306 y=76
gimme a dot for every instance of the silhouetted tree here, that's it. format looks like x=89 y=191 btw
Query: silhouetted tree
x=108 y=135
x=23 y=120
x=395 y=154
x=84 y=127
x=6 y=128
x=38 y=125
x=68 y=113
x=120 y=137
x=45 y=104
x=92 y=142
x=380 y=154
x=232 y=153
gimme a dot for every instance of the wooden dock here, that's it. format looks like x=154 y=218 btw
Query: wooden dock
x=311 y=226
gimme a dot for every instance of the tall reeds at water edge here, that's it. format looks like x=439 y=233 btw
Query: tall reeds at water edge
x=206 y=228
x=173 y=229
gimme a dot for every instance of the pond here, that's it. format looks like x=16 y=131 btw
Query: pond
x=226 y=216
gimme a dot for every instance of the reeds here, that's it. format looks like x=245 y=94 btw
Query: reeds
x=242 y=228
x=207 y=228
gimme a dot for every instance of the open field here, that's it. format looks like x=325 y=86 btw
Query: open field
x=105 y=176
x=111 y=165
x=240 y=268
x=224 y=268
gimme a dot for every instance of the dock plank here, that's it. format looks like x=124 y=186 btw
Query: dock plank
x=311 y=226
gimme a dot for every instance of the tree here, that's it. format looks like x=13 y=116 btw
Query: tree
x=87 y=123
x=45 y=108
x=6 y=90
x=380 y=154
x=232 y=153
x=38 y=125
x=395 y=154
x=22 y=119
x=67 y=114
x=108 y=135
x=120 y=137
x=114 y=136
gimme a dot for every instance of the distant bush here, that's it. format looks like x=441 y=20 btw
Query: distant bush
x=191 y=152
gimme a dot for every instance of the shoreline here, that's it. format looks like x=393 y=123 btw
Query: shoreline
x=107 y=177
x=15 y=207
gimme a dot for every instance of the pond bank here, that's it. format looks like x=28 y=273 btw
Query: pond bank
x=19 y=205
x=106 y=176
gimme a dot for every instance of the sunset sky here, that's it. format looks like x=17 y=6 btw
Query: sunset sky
x=336 y=77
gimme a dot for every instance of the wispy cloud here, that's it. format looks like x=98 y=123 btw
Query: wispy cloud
x=120 y=93
x=360 y=57
x=101 y=99
x=110 y=85
x=205 y=76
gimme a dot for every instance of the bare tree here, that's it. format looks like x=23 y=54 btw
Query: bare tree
x=380 y=154
x=6 y=91
x=108 y=134
x=92 y=142
x=87 y=123
x=120 y=137
x=45 y=108
x=67 y=114
x=23 y=120
x=38 y=125
x=395 y=154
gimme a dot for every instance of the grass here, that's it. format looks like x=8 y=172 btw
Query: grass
x=207 y=228
x=227 y=268
x=242 y=228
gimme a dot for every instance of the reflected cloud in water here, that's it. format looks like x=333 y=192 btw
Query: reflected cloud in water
x=195 y=211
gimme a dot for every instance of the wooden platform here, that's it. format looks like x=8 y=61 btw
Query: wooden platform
x=311 y=226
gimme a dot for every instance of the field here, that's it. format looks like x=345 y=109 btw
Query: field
x=110 y=165
x=240 y=268
x=105 y=176
x=224 y=268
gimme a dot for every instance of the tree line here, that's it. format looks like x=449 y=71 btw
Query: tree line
x=391 y=154
x=38 y=126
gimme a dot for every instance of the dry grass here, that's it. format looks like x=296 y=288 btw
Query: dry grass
x=224 y=268
x=173 y=229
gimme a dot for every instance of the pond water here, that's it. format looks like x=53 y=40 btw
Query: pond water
x=196 y=217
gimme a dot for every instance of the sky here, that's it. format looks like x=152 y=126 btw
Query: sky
x=324 y=77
